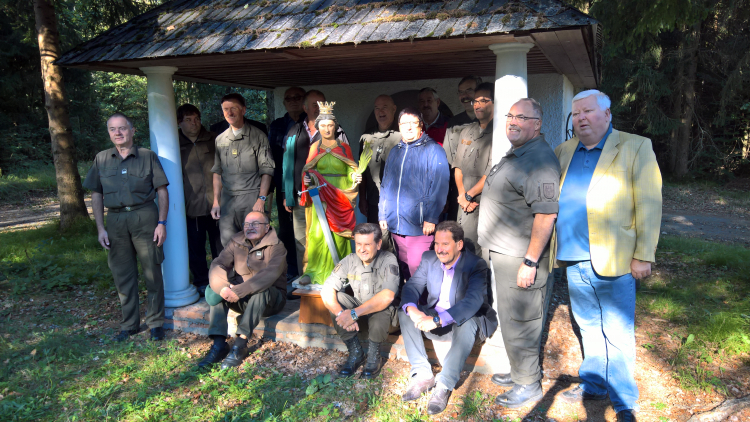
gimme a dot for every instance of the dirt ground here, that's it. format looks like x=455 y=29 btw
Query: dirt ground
x=695 y=214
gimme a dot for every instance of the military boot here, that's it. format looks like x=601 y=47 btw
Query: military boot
x=355 y=359
x=374 y=361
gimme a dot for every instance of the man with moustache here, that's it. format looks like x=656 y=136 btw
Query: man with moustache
x=276 y=136
x=197 y=149
x=606 y=238
x=456 y=124
x=373 y=276
x=126 y=179
x=515 y=223
x=436 y=122
x=381 y=139
x=243 y=169
x=455 y=314
x=472 y=162
x=248 y=277
x=296 y=149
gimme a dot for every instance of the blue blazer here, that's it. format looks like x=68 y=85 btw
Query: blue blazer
x=468 y=296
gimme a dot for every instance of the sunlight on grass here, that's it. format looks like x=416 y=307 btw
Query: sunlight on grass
x=38 y=180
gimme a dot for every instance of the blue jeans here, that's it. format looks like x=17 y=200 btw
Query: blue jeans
x=604 y=308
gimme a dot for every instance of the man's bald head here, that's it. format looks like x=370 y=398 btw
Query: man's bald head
x=385 y=112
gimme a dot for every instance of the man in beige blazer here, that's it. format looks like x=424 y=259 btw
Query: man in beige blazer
x=606 y=235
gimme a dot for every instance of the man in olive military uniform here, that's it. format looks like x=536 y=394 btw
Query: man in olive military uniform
x=472 y=161
x=197 y=150
x=373 y=276
x=456 y=124
x=243 y=169
x=381 y=140
x=516 y=219
x=126 y=179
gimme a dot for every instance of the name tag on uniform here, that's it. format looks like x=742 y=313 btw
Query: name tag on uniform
x=124 y=171
x=234 y=152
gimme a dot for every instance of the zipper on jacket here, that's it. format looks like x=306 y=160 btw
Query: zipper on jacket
x=398 y=194
x=421 y=216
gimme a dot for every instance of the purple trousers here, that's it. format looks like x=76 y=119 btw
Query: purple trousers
x=409 y=250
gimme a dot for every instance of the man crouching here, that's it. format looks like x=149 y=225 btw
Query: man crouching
x=250 y=278
x=373 y=276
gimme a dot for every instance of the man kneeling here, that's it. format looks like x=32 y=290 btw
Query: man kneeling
x=456 y=311
x=374 y=278
x=250 y=278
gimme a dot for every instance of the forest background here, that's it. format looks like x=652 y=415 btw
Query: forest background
x=677 y=71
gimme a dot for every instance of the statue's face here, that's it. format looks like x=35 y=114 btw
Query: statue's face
x=327 y=129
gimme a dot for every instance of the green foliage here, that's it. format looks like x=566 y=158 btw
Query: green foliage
x=473 y=404
x=51 y=260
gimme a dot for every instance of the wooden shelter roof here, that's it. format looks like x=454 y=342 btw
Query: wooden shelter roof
x=269 y=43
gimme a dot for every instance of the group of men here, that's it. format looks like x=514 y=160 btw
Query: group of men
x=591 y=206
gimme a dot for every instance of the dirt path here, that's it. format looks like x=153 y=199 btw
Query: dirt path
x=32 y=214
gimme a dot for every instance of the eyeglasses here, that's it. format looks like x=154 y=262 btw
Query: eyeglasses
x=520 y=118
x=481 y=101
x=294 y=98
x=254 y=224
x=409 y=123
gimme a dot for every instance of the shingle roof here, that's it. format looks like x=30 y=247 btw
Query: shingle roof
x=200 y=27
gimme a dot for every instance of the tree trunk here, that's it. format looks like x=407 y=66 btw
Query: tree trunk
x=69 y=189
x=681 y=145
x=677 y=93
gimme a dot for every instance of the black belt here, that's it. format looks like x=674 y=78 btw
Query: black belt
x=128 y=209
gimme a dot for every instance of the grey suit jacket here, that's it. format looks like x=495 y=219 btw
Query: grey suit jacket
x=468 y=296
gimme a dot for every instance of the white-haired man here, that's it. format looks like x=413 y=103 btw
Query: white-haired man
x=606 y=235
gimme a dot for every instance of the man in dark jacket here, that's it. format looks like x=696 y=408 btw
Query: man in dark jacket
x=296 y=149
x=197 y=149
x=456 y=311
x=276 y=136
x=250 y=277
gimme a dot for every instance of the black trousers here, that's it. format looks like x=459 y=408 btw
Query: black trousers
x=286 y=234
x=197 y=229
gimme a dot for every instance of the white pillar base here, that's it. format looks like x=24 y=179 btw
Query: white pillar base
x=162 y=123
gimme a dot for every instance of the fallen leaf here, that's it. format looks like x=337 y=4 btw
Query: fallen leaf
x=33 y=352
x=170 y=27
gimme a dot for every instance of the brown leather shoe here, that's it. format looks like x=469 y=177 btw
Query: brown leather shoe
x=417 y=387
x=439 y=400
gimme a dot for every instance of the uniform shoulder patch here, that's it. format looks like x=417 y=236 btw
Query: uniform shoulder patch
x=394 y=269
x=549 y=190
x=337 y=267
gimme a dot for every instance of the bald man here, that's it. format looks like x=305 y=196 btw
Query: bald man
x=248 y=277
x=381 y=139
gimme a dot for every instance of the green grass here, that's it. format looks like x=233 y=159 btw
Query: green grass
x=49 y=259
x=708 y=295
x=37 y=181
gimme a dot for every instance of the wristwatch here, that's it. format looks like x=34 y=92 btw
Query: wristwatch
x=468 y=197
x=529 y=263
x=262 y=198
x=436 y=320
x=162 y=222
x=354 y=315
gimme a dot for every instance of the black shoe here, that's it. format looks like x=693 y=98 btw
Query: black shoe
x=124 y=334
x=374 y=361
x=626 y=416
x=235 y=357
x=201 y=290
x=416 y=388
x=157 y=334
x=355 y=359
x=439 y=400
x=214 y=355
x=520 y=395
x=502 y=380
x=577 y=395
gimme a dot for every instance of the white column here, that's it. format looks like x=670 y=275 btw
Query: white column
x=510 y=86
x=162 y=124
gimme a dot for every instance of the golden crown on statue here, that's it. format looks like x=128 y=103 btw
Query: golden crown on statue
x=326 y=107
